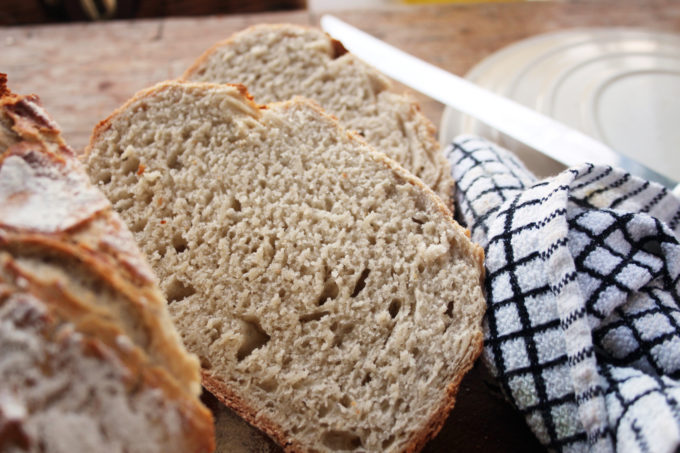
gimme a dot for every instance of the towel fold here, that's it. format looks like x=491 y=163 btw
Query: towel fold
x=582 y=330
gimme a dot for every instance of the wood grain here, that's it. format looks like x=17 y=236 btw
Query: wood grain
x=84 y=71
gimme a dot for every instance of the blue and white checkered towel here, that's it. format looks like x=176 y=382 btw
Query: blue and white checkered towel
x=582 y=330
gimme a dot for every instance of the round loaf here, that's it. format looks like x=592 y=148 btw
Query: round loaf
x=332 y=300
x=90 y=359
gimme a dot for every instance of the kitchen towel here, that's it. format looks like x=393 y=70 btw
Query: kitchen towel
x=582 y=329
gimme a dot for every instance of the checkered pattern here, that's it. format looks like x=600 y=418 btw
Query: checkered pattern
x=582 y=329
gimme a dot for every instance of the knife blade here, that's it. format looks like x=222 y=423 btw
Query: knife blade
x=540 y=132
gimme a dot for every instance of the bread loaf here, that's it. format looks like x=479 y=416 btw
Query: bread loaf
x=332 y=300
x=90 y=360
x=278 y=62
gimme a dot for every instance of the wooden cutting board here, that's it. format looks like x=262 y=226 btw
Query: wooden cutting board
x=84 y=71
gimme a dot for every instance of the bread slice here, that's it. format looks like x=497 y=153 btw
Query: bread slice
x=90 y=359
x=332 y=300
x=278 y=62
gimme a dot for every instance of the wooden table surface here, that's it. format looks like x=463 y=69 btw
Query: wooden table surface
x=83 y=71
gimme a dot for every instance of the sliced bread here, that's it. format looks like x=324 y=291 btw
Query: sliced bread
x=278 y=62
x=332 y=300
x=90 y=359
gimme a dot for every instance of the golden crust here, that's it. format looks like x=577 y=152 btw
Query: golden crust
x=29 y=120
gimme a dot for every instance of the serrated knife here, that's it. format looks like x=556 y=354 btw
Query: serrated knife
x=542 y=133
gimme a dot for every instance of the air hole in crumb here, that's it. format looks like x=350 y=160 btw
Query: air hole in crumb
x=173 y=161
x=387 y=337
x=286 y=361
x=205 y=363
x=390 y=191
x=282 y=293
x=313 y=316
x=387 y=442
x=366 y=379
x=105 y=178
x=235 y=204
x=268 y=385
x=146 y=197
x=402 y=126
x=346 y=401
x=323 y=411
x=213 y=334
x=328 y=204
x=130 y=164
x=209 y=195
x=420 y=203
x=449 y=309
x=341 y=333
x=179 y=243
x=419 y=225
x=138 y=226
x=254 y=337
x=361 y=282
x=177 y=290
x=421 y=268
x=341 y=440
x=371 y=240
x=330 y=291
x=394 y=308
